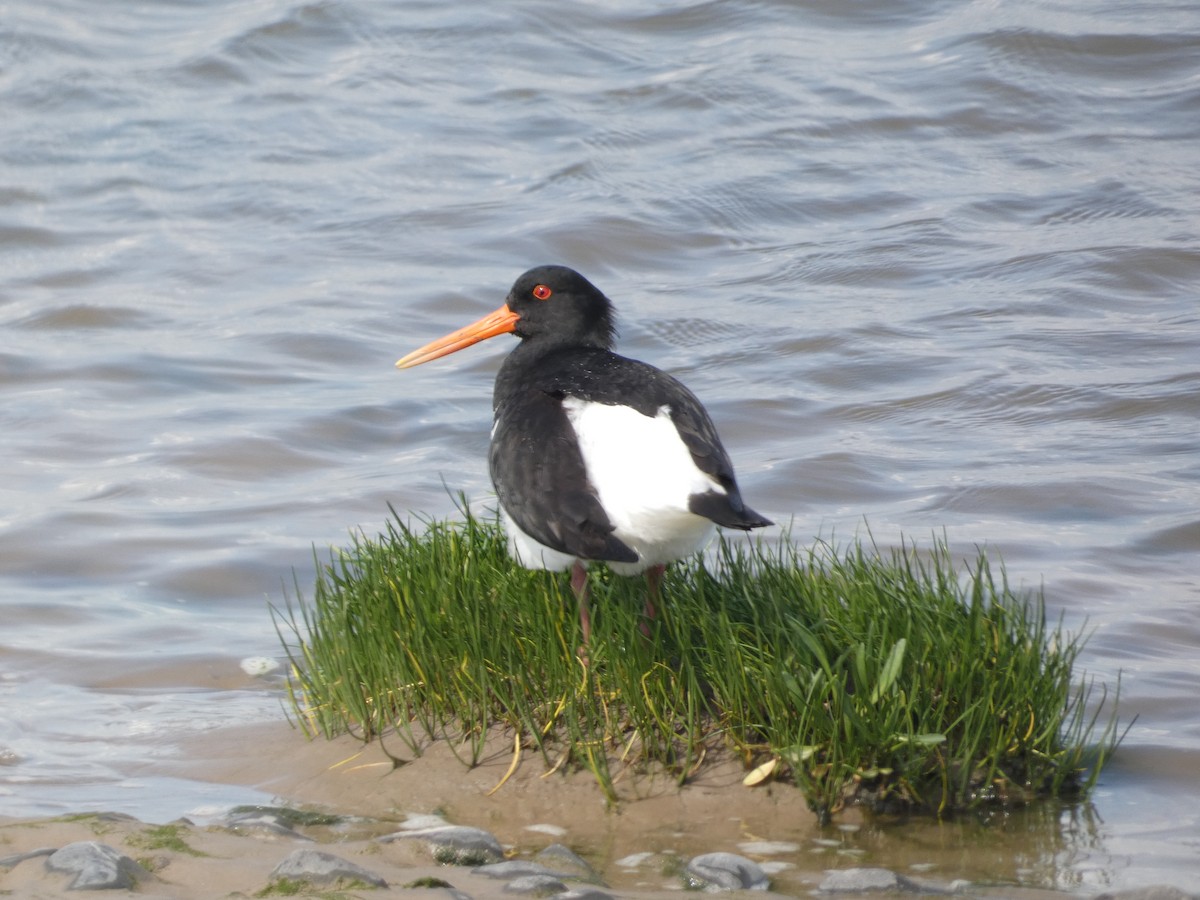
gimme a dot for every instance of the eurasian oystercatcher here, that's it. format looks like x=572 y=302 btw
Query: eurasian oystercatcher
x=594 y=456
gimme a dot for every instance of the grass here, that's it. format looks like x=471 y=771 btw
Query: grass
x=97 y=822
x=294 y=887
x=288 y=816
x=891 y=678
x=163 y=837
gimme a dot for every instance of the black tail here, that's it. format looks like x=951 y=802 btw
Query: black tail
x=727 y=510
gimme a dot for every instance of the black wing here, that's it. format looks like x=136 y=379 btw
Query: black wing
x=542 y=483
x=604 y=377
x=699 y=435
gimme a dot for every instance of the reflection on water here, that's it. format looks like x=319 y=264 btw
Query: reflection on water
x=931 y=266
x=1049 y=846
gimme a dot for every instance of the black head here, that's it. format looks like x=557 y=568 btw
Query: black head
x=555 y=304
x=550 y=306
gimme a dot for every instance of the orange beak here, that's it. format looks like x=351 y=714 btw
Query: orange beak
x=502 y=321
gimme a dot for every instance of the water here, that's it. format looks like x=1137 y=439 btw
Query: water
x=931 y=265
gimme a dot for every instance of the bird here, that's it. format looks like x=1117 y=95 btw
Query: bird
x=595 y=457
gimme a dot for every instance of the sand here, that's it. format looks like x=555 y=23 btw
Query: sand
x=656 y=823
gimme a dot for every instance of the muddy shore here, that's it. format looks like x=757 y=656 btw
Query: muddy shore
x=639 y=849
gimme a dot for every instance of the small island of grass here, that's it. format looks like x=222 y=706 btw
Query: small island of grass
x=893 y=679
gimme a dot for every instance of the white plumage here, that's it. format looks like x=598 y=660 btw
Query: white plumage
x=643 y=475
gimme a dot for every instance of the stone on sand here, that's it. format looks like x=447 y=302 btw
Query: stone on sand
x=862 y=879
x=457 y=845
x=96 y=866
x=535 y=886
x=725 y=872
x=319 y=868
x=567 y=863
x=515 y=868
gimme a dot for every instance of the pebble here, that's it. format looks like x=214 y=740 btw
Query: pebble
x=556 y=871
x=455 y=845
x=418 y=821
x=516 y=868
x=553 y=866
x=725 y=872
x=96 y=866
x=567 y=862
x=538 y=885
x=862 y=879
x=584 y=893
x=545 y=828
x=633 y=860
x=319 y=868
x=263 y=824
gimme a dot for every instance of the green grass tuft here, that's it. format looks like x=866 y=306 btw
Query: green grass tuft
x=163 y=837
x=294 y=887
x=427 y=882
x=889 y=678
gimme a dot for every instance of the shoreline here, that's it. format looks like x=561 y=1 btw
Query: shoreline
x=639 y=849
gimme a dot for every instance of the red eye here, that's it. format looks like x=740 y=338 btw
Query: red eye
x=542 y=292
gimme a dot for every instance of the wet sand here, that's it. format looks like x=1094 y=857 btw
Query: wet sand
x=531 y=810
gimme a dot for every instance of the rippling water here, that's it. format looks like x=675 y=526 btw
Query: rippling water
x=931 y=265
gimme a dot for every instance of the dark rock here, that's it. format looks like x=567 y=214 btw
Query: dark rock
x=725 y=871
x=446 y=887
x=7 y=862
x=96 y=867
x=319 y=868
x=263 y=823
x=584 y=893
x=456 y=845
x=567 y=862
x=427 y=881
x=287 y=816
x=535 y=885
x=862 y=879
x=516 y=868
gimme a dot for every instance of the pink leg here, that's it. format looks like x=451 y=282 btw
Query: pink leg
x=654 y=576
x=579 y=585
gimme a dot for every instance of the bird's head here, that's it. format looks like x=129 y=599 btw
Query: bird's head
x=553 y=305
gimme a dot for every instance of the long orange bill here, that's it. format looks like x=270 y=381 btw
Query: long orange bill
x=502 y=321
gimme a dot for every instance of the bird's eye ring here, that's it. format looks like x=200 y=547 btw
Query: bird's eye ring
x=542 y=292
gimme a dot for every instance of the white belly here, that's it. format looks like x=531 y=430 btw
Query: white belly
x=643 y=475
